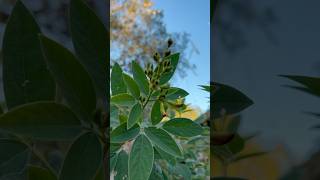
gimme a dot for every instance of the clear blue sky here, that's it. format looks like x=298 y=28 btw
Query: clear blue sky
x=191 y=16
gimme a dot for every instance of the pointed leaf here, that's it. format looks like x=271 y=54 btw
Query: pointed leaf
x=114 y=147
x=42 y=120
x=83 y=159
x=182 y=127
x=113 y=161
x=117 y=84
x=311 y=84
x=39 y=173
x=174 y=58
x=176 y=93
x=91 y=43
x=13 y=157
x=236 y=145
x=122 y=134
x=135 y=115
x=123 y=99
x=132 y=86
x=183 y=170
x=229 y=99
x=163 y=140
x=72 y=78
x=168 y=157
x=121 y=169
x=140 y=78
x=25 y=75
x=156 y=115
x=156 y=173
x=141 y=159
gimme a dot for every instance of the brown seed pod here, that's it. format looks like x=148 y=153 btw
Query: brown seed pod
x=156 y=57
x=170 y=42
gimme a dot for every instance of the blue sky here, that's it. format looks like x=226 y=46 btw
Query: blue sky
x=191 y=16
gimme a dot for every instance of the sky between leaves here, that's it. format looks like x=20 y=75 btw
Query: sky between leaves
x=193 y=18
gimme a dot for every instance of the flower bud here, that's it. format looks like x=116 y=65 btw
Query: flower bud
x=156 y=57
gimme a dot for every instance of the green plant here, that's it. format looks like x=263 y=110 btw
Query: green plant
x=310 y=85
x=54 y=97
x=227 y=144
x=147 y=146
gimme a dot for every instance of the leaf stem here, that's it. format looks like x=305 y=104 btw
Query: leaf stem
x=44 y=161
x=39 y=156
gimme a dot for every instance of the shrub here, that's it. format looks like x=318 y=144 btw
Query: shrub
x=146 y=140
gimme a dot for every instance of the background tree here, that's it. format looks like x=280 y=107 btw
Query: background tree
x=137 y=31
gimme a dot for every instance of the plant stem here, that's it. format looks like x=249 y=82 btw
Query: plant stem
x=149 y=96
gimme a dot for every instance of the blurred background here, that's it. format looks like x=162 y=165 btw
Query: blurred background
x=254 y=42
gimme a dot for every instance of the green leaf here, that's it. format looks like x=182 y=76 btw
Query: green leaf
x=121 y=169
x=236 y=145
x=114 y=147
x=42 y=120
x=163 y=140
x=132 y=86
x=83 y=159
x=25 y=76
x=123 y=118
x=135 y=115
x=71 y=77
x=229 y=99
x=206 y=88
x=141 y=159
x=140 y=78
x=168 y=157
x=117 y=84
x=13 y=157
x=122 y=134
x=182 y=127
x=156 y=173
x=183 y=170
x=113 y=161
x=39 y=173
x=123 y=100
x=91 y=43
x=156 y=115
x=174 y=58
x=114 y=115
x=176 y=93
x=311 y=84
